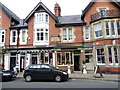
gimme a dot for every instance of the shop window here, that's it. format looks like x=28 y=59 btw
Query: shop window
x=100 y=56
x=116 y=54
x=64 y=58
x=110 y=54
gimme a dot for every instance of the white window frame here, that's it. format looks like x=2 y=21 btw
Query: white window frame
x=21 y=35
x=11 y=37
x=110 y=56
x=67 y=35
x=40 y=17
x=100 y=56
x=45 y=30
x=108 y=28
x=117 y=26
x=117 y=55
x=2 y=34
x=114 y=27
x=88 y=33
x=98 y=29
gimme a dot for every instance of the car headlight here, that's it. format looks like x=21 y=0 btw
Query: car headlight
x=5 y=74
x=65 y=73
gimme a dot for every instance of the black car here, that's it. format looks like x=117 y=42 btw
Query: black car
x=6 y=74
x=44 y=72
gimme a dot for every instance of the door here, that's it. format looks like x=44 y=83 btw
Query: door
x=46 y=72
x=76 y=63
x=12 y=62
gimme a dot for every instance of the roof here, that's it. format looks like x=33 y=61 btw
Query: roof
x=8 y=12
x=116 y=2
x=41 y=5
x=70 y=20
x=22 y=24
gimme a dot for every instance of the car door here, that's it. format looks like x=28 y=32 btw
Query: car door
x=46 y=72
x=35 y=71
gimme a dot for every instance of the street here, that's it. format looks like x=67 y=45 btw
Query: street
x=71 y=83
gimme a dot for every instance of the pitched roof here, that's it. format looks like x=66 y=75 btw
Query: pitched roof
x=8 y=12
x=40 y=4
x=116 y=2
x=70 y=20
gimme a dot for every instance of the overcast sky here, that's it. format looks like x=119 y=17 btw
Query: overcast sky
x=23 y=7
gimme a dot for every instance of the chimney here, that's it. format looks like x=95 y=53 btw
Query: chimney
x=57 y=10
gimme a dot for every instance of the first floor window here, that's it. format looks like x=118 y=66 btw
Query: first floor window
x=13 y=36
x=64 y=58
x=87 y=32
x=67 y=34
x=118 y=27
x=98 y=30
x=23 y=34
x=113 y=27
x=100 y=56
x=107 y=28
x=41 y=34
x=2 y=36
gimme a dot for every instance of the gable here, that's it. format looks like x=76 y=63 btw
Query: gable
x=107 y=3
x=42 y=7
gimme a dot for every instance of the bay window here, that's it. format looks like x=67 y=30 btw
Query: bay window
x=41 y=17
x=100 y=56
x=98 y=30
x=41 y=35
x=113 y=27
x=107 y=28
x=118 y=27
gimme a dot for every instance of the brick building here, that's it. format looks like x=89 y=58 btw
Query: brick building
x=43 y=37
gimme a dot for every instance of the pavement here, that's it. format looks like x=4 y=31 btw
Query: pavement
x=89 y=76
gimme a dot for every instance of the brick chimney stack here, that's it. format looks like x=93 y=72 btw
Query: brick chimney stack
x=57 y=10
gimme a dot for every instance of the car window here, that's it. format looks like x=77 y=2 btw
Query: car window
x=45 y=67
x=34 y=66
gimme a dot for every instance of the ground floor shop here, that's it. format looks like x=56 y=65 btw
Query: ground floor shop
x=104 y=56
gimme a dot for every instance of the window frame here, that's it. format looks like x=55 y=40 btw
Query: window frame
x=88 y=32
x=67 y=35
x=21 y=35
x=100 y=56
x=96 y=30
x=11 y=41
x=2 y=36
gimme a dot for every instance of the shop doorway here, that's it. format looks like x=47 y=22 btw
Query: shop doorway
x=76 y=63
x=12 y=62
x=22 y=64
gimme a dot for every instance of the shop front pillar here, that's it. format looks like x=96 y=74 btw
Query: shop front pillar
x=54 y=58
x=7 y=61
x=82 y=58
x=27 y=60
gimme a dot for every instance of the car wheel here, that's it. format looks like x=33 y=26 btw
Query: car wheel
x=28 y=78
x=58 y=78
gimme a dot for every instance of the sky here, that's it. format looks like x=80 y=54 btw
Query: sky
x=23 y=7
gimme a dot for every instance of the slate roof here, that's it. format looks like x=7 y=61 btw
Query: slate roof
x=22 y=24
x=9 y=13
x=41 y=5
x=70 y=20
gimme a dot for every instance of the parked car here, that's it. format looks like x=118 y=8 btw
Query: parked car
x=44 y=72
x=6 y=74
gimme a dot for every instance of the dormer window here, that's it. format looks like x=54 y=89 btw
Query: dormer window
x=41 y=17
